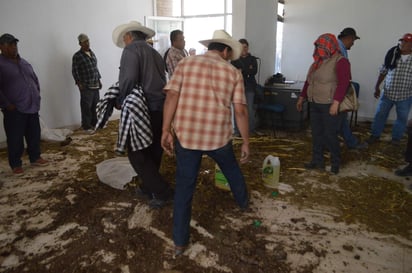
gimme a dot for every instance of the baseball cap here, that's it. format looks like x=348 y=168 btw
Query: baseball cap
x=7 y=39
x=349 y=32
x=407 y=37
x=82 y=38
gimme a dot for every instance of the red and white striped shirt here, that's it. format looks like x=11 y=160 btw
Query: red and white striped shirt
x=208 y=85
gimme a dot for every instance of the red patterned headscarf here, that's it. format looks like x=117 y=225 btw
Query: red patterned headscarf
x=325 y=47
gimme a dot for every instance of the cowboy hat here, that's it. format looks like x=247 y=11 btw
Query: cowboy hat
x=121 y=30
x=221 y=36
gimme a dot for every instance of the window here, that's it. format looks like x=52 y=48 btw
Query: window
x=199 y=20
x=279 y=35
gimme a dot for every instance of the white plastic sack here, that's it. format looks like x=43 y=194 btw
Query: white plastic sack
x=48 y=134
x=115 y=172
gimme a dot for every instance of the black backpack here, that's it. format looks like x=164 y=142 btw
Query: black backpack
x=165 y=57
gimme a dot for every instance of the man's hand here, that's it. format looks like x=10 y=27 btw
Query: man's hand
x=244 y=156
x=299 y=104
x=377 y=93
x=334 y=108
x=11 y=107
x=167 y=142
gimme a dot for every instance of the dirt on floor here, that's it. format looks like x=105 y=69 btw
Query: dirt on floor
x=61 y=218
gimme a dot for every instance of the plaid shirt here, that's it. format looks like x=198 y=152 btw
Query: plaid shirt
x=134 y=123
x=173 y=57
x=208 y=85
x=398 y=81
x=84 y=69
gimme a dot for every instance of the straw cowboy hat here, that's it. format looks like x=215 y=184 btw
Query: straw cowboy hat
x=221 y=36
x=121 y=30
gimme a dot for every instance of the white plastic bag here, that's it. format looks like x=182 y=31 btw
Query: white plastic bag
x=115 y=172
x=48 y=134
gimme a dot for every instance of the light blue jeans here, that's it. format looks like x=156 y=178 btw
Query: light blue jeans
x=382 y=112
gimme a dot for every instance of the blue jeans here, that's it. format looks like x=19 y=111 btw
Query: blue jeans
x=382 y=112
x=325 y=129
x=19 y=126
x=350 y=140
x=188 y=164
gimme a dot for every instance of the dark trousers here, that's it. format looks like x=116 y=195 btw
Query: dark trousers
x=19 y=126
x=408 y=153
x=325 y=130
x=88 y=102
x=146 y=162
x=187 y=169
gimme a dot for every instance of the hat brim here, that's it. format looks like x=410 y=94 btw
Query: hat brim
x=121 y=30
x=234 y=45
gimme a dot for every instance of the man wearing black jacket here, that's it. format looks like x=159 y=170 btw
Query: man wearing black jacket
x=247 y=64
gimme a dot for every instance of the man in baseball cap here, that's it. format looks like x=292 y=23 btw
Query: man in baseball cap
x=20 y=104
x=397 y=90
x=348 y=32
x=406 y=38
x=8 y=39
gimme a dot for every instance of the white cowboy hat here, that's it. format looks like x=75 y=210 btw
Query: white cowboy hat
x=221 y=36
x=121 y=30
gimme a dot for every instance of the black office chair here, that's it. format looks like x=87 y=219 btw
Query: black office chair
x=268 y=108
x=357 y=87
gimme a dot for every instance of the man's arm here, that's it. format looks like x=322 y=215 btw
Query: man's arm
x=169 y=110
x=128 y=75
x=378 y=84
x=242 y=121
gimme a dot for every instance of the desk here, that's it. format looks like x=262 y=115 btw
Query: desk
x=287 y=95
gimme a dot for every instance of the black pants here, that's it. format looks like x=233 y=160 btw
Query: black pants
x=88 y=102
x=19 y=127
x=408 y=153
x=325 y=130
x=146 y=162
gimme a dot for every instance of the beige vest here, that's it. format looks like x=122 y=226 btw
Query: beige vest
x=323 y=81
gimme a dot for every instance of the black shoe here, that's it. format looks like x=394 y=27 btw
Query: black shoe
x=334 y=169
x=158 y=203
x=142 y=194
x=406 y=171
x=313 y=166
x=395 y=142
x=359 y=146
x=372 y=139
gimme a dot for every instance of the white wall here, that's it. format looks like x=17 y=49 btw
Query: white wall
x=48 y=29
x=379 y=23
x=256 y=21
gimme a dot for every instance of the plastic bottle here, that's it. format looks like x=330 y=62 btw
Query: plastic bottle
x=220 y=179
x=271 y=171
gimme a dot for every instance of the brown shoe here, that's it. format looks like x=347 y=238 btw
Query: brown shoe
x=40 y=162
x=18 y=170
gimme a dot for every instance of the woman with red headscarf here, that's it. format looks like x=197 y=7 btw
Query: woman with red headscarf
x=325 y=87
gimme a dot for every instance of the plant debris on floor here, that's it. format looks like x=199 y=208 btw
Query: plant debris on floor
x=61 y=218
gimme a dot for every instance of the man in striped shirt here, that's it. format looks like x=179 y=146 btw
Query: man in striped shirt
x=197 y=121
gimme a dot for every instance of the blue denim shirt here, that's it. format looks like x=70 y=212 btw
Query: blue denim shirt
x=343 y=49
x=19 y=85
